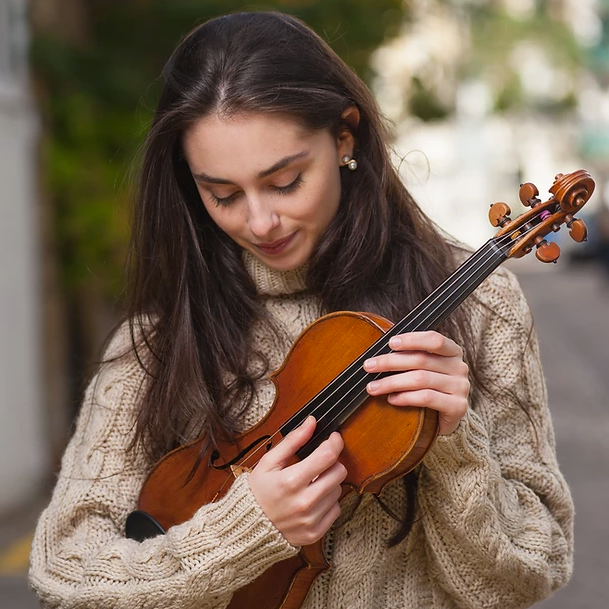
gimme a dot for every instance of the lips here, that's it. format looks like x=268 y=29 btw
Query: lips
x=276 y=247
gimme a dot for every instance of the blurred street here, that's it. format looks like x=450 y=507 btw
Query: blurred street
x=571 y=305
x=571 y=309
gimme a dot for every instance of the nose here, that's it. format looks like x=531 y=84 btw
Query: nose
x=263 y=217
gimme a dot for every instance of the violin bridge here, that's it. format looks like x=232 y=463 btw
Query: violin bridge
x=239 y=469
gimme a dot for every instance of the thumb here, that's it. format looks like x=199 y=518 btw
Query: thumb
x=281 y=455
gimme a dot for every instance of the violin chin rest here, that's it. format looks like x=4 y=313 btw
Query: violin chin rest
x=141 y=525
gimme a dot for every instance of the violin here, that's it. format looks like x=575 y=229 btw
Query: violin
x=323 y=376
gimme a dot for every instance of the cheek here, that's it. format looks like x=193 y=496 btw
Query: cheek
x=225 y=218
x=331 y=196
x=323 y=200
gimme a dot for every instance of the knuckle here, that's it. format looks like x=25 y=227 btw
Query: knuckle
x=336 y=493
x=457 y=412
x=421 y=378
x=290 y=482
x=327 y=454
x=335 y=511
x=421 y=360
x=302 y=507
x=308 y=522
x=437 y=340
x=311 y=537
x=463 y=408
x=427 y=397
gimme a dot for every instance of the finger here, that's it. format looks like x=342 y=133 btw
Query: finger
x=451 y=409
x=280 y=454
x=414 y=380
x=311 y=510
x=430 y=341
x=328 y=520
x=328 y=481
x=320 y=460
x=315 y=533
x=323 y=506
x=416 y=360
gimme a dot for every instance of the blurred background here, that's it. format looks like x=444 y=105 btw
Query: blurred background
x=483 y=95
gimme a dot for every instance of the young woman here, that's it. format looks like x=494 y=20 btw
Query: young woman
x=267 y=199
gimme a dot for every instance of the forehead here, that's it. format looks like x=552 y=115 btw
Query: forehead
x=220 y=145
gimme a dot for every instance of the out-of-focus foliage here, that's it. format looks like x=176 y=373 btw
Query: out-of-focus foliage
x=523 y=53
x=97 y=95
x=599 y=53
x=503 y=43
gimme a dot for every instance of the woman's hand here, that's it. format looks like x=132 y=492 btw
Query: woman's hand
x=301 y=500
x=430 y=372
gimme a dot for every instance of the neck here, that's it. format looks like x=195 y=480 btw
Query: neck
x=270 y=282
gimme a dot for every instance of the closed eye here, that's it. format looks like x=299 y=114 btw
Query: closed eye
x=284 y=190
x=223 y=200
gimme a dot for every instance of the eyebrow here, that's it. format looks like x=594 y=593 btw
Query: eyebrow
x=284 y=162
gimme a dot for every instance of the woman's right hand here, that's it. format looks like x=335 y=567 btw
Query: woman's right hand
x=301 y=499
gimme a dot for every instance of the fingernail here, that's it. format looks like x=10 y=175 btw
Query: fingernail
x=373 y=386
x=369 y=364
x=395 y=342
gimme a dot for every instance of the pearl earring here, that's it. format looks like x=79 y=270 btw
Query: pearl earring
x=349 y=162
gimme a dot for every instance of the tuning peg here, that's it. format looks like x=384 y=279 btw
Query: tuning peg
x=579 y=231
x=547 y=252
x=499 y=213
x=528 y=194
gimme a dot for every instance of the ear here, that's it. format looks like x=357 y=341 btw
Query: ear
x=345 y=140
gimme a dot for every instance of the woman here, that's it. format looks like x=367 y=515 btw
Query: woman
x=268 y=198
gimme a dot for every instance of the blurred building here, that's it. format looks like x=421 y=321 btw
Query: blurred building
x=22 y=445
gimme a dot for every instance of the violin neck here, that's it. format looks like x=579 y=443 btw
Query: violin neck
x=433 y=310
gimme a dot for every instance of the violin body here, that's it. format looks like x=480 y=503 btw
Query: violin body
x=173 y=492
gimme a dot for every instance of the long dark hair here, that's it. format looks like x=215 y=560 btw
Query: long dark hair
x=190 y=296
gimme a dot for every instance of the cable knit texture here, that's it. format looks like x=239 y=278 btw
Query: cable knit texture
x=494 y=526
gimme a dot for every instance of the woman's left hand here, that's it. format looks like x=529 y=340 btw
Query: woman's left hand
x=429 y=372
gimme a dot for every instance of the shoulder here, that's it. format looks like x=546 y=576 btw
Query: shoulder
x=500 y=295
x=126 y=363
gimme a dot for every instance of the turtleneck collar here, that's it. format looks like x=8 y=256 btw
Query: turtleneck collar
x=271 y=282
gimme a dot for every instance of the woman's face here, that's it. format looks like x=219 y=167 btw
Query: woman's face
x=267 y=182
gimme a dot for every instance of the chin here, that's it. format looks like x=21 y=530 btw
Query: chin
x=282 y=263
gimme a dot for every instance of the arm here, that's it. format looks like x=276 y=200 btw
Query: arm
x=495 y=508
x=80 y=556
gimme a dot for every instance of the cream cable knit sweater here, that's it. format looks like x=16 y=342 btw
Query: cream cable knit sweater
x=495 y=516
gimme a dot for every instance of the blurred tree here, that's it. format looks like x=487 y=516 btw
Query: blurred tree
x=96 y=65
x=504 y=44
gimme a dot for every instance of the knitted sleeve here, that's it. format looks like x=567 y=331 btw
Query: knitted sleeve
x=80 y=556
x=495 y=508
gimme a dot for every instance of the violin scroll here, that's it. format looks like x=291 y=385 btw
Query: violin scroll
x=569 y=193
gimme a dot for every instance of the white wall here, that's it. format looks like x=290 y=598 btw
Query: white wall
x=22 y=446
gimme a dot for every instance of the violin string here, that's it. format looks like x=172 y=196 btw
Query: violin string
x=322 y=422
x=487 y=257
